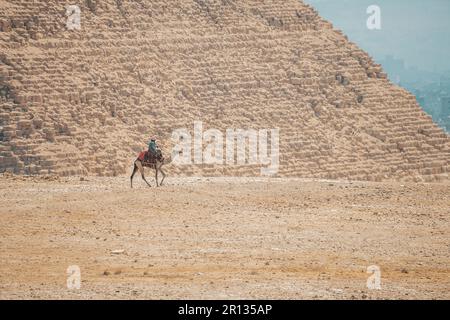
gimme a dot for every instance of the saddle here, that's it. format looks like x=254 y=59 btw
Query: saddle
x=150 y=158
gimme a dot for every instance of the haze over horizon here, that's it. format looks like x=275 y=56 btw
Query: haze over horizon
x=413 y=30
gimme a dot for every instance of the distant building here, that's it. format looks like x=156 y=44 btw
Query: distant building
x=445 y=107
x=394 y=67
x=444 y=113
x=444 y=83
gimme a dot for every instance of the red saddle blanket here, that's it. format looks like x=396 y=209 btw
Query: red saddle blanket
x=145 y=157
x=142 y=155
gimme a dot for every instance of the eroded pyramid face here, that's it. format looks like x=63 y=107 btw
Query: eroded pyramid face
x=82 y=88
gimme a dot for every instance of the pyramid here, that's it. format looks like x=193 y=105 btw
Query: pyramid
x=85 y=101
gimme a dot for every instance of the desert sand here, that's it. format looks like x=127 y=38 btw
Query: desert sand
x=141 y=68
x=223 y=238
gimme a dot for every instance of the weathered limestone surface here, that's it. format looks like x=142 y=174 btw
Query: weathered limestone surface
x=84 y=102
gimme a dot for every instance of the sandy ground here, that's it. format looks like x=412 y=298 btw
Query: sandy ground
x=223 y=238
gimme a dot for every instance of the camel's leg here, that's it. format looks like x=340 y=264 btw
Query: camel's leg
x=135 y=168
x=141 y=170
x=163 y=174
x=156 y=174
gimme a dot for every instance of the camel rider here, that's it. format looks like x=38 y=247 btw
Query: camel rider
x=152 y=147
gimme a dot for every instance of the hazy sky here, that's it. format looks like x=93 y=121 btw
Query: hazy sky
x=417 y=31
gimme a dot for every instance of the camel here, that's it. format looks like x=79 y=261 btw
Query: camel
x=156 y=163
